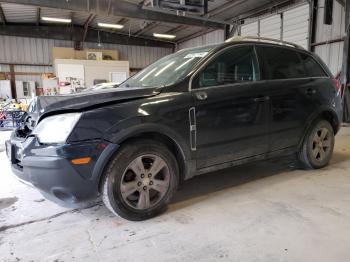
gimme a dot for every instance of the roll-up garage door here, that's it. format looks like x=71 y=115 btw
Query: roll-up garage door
x=271 y=27
x=292 y=25
x=296 y=25
x=251 y=29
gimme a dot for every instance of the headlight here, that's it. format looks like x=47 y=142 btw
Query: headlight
x=56 y=129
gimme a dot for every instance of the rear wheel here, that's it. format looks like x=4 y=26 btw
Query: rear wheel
x=140 y=180
x=318 y=145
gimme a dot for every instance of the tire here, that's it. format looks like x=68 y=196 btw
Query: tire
x=318 y=145
x=132 y=170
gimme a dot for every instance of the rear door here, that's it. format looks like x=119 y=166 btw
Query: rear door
x=231 y=108
x=291 y=91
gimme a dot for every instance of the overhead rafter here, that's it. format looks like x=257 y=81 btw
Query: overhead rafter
x=148 y=27
x=342 y=2
x=216 y=11
x=71 y=16
x=2 y=16
x=123 y=21
x=273 y=5
x=38 y=16
x=75 y=33
x=120 y=8
x=222 y=8
x=86 y=25
x=176 y=29
x=253 y=12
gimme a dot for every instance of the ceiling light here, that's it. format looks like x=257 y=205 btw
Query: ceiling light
x=114 y=26
x=164 y=36
x=59 y=20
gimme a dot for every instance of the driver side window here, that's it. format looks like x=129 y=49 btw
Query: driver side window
x=238 y=64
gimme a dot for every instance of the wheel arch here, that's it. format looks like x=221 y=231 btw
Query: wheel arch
x=326 y=114
x=159 y=133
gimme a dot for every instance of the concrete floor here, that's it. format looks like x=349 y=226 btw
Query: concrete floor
x=267 y=211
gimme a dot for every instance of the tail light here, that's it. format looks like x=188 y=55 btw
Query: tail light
x=337 y=85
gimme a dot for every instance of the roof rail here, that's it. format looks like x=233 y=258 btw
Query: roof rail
x=265 y=39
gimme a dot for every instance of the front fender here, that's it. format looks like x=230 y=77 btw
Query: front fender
x=136 y=126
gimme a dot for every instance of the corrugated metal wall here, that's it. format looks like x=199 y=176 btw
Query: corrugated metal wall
x=251 y=29
x=292 y=25
x=213 y=37
x=332 y=54
x=296 y=25
x=271 y=27
x=38 y=51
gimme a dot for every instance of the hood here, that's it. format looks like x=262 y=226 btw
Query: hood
x=85 y=100
x=45 y=104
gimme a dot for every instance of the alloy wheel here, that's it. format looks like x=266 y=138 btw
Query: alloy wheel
x=145 y=181
x=321 y=144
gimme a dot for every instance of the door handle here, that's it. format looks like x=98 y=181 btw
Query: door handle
x=201 y=95
x=261 y=99
x=310 y=91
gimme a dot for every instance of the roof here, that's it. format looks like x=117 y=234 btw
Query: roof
x=225 y=11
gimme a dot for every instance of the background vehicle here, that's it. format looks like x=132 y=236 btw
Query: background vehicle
x=190 y=113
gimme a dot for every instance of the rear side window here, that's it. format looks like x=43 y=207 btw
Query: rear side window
x=281 y=63
x=312 y=68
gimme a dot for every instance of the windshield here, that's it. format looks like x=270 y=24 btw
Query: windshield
x=101 y=86
x=168 y=70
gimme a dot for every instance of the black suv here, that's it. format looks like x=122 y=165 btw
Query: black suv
x=192 y=112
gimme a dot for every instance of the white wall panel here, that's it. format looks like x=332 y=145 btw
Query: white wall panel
x=251 y=29
x=331 y=54
x=271 y=27
x=210 y=38
x=296 y=25
x=38 y=51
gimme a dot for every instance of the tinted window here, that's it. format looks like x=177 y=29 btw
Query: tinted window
x=312 y=68
x=235 y=65
x=281 y=63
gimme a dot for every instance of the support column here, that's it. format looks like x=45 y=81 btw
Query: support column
x=345 y=73
x=13 y=81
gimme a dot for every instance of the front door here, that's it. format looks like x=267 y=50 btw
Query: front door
x=231 y=108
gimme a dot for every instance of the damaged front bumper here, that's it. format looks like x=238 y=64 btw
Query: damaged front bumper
x=50 y=169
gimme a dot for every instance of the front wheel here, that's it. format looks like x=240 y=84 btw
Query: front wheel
x=140 y=180
x=318 y=145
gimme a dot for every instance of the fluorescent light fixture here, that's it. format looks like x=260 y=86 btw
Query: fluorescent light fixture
x=164 y=36
x=54 y=19
x=114 y=26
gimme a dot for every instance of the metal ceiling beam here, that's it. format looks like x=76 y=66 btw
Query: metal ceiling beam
x=38 y=16
x=121 y=8
x=213 y=12
x=2 y=16
x=148 y=27
x=75 y=33
x=231 y=4
x=176 y=29
x=86 y=26
x=222 y=8
x=342 y=2
x=261 y=10
x=123 y=21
